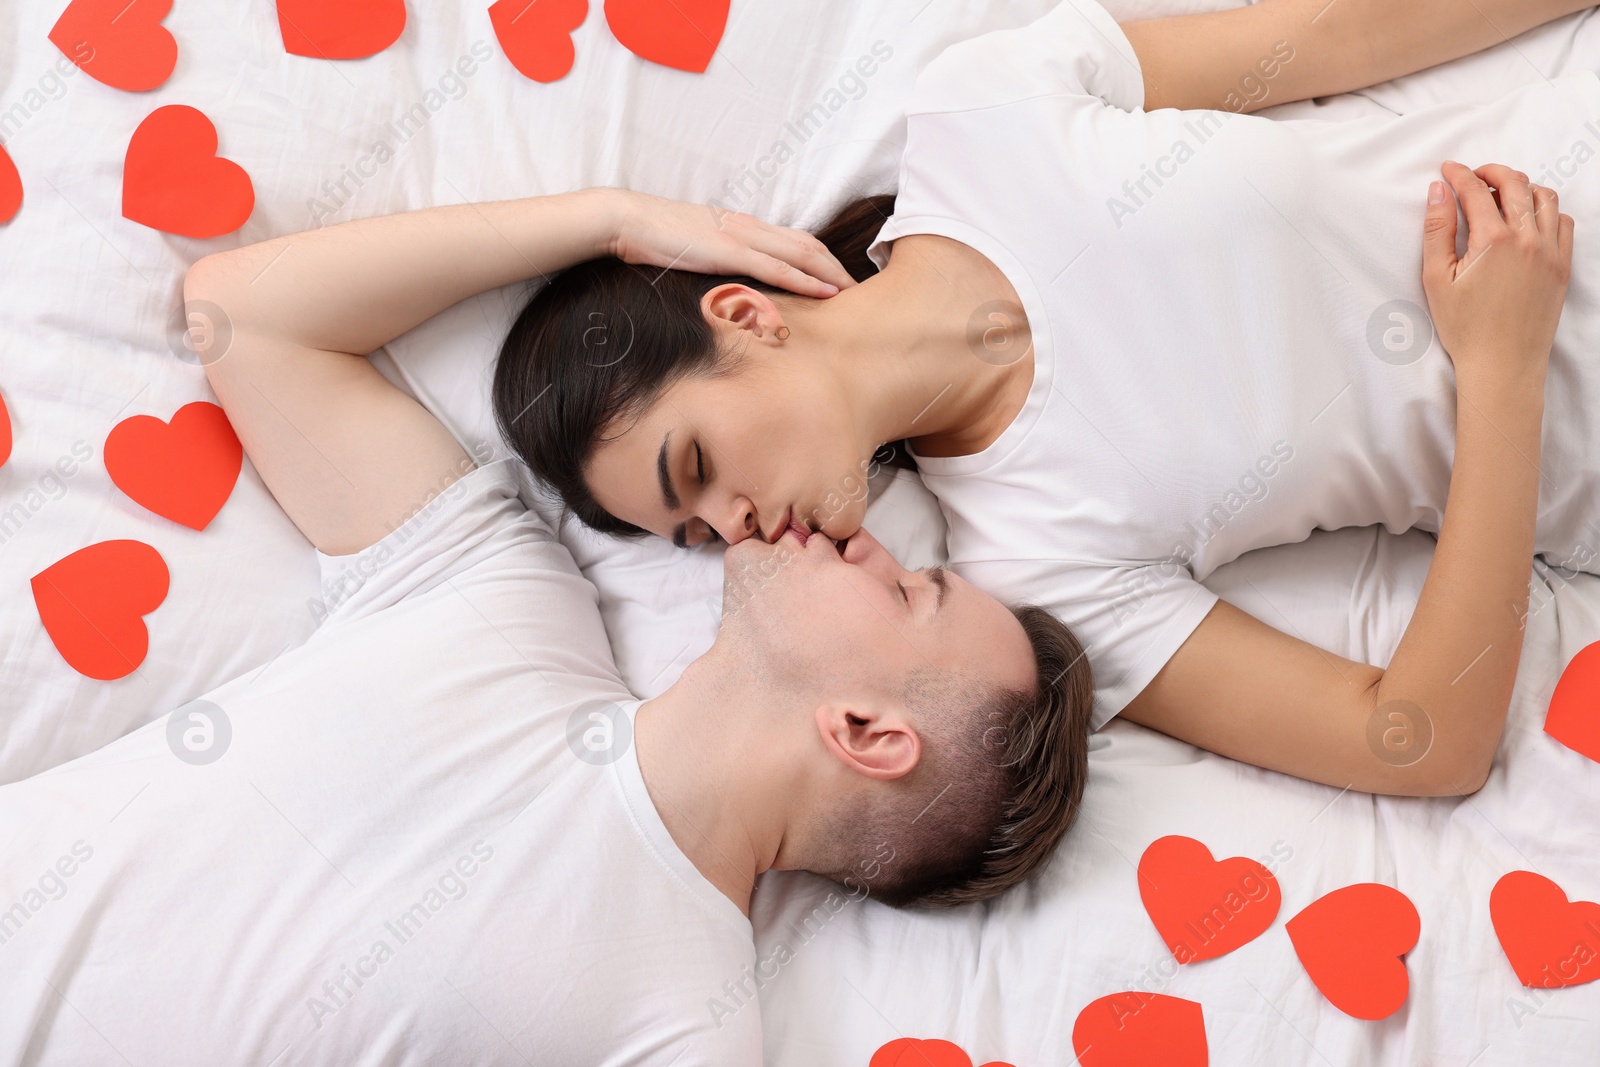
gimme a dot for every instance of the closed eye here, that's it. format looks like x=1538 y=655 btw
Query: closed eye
x=699 y=463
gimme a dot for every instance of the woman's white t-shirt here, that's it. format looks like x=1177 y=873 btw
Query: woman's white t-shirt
x=423 y=839
x=1230 y=335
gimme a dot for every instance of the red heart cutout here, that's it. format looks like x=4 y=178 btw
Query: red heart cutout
x=1134 y=1029
x=915 y=1052
x=5 y=432
x=682 y=34
x=173 y=181
x=537 y=34
x=1574 y=715
x=117 y=42
x=93 y=603
x=1351 y=942
x=10 y=187
x=340 y=29
x=1202 y=907
x=183 y=470
x=1550 y=941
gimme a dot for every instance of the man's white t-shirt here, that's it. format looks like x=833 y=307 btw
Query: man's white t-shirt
x=426 y=841
x=1230 y=334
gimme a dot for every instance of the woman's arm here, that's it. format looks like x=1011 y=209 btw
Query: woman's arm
x=1431 y=722
x=348 y=456
x=1275 y=51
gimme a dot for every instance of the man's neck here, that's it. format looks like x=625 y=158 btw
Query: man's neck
x=704 y=784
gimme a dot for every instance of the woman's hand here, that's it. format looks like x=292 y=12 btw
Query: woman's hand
x=1496 y=308
x=657 y=232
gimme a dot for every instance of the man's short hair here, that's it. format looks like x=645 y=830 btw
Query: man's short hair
x=994 y=792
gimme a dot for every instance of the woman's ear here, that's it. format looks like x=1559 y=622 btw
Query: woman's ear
x=876 y=744
x=737 y=306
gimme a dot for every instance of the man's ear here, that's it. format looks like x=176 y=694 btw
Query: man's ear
x=743 y=308
x=875 y=743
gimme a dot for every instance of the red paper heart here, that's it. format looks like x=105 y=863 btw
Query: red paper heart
x=915 y=1052
x=10 y=187
x=183 y=470
x=173 y=181
x=1351 y=942
x=93 y=603
x=1134 y=1029
x=118 y=42
x=1202 y=907
x=537 y=34
x=682 y=34
x=1574 y=715
x=5 y=432
x=340 y=29
x=1550 y=941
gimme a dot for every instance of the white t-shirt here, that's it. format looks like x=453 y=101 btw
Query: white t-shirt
x=1230 y=334
x=399 y=857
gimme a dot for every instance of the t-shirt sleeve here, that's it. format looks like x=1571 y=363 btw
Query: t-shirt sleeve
x=962 y=136
x=1076 y=49
x=475 y=518
x=1130 y=620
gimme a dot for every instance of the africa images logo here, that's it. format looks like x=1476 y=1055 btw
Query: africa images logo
x=599 y=732
x=199 y=732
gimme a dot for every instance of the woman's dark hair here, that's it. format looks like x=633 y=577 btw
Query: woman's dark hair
x=604 y=339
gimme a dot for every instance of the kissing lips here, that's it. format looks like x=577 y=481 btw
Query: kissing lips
x=803 y=533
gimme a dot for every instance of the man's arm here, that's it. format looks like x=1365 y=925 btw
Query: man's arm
x=347 y=455
x=1276 y=51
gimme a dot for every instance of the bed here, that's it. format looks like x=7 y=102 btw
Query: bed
x=795 y=111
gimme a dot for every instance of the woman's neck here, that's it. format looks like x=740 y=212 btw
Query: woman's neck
x=933 y=348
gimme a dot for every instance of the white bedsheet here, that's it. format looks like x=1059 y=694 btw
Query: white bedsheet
x=85 y=340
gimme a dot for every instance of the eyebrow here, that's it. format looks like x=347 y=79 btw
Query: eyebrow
x=669 y=495
x=941 y=581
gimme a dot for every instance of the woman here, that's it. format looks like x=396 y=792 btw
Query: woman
x=1128 y=346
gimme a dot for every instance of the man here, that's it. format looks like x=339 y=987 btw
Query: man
x=442 y=831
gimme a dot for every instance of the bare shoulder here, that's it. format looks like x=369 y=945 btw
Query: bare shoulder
x=967 y=272
x=978 y=313
x=964 y=285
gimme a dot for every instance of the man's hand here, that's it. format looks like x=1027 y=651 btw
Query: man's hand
x=669 y=233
